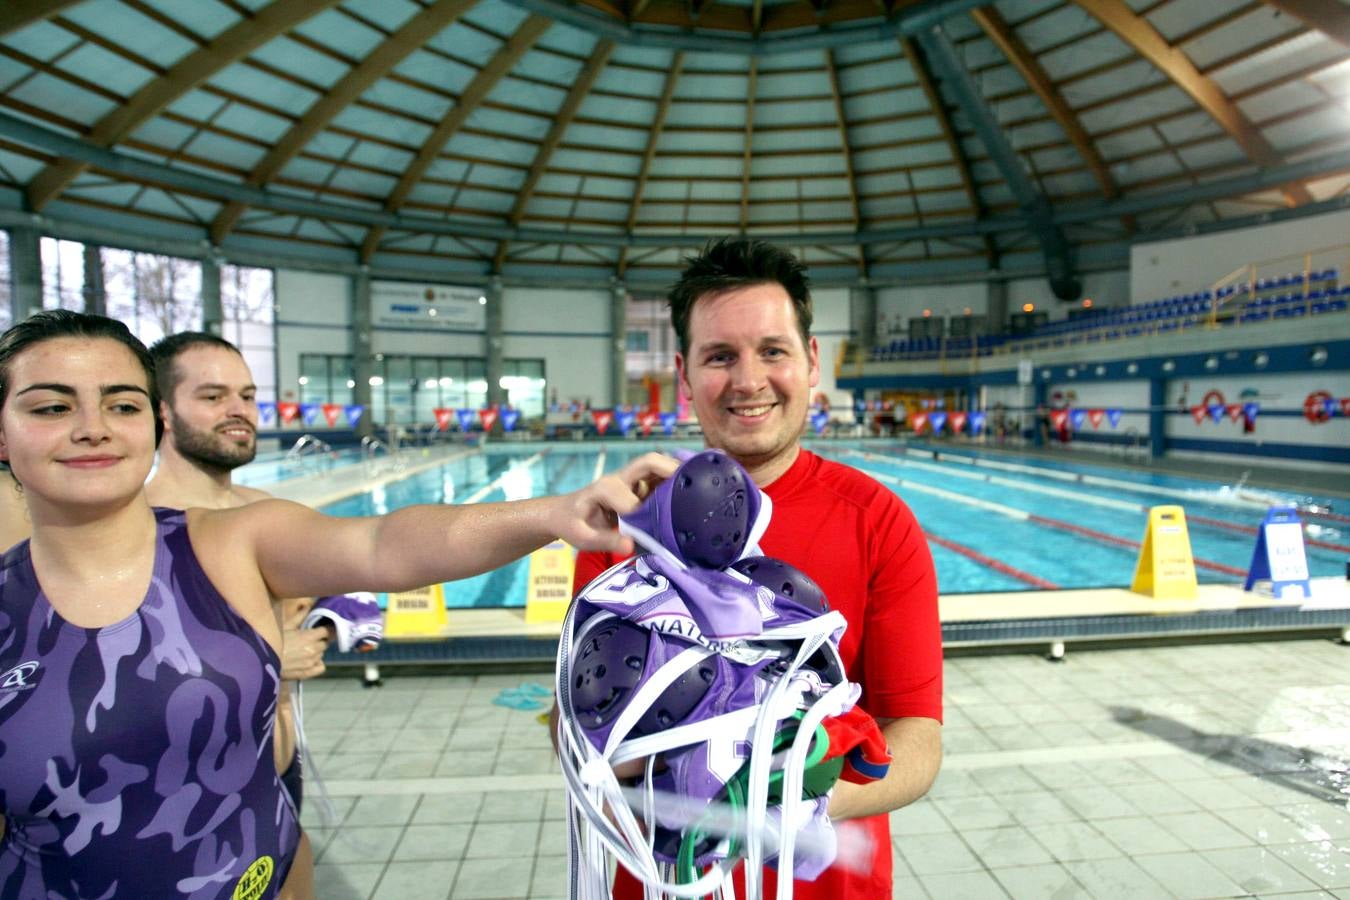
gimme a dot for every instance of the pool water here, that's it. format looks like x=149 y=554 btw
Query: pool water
x=996 y=522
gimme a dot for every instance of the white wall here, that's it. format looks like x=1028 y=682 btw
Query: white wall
x=569 y=330
x=1186 y=265
x=831 y=328
x=897 y=305
x=1131 y=397
x=313 y=316
x=1276 y=394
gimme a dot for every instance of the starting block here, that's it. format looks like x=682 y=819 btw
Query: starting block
x=1166 y=568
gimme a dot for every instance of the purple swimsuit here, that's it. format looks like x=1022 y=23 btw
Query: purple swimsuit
x=136 y=759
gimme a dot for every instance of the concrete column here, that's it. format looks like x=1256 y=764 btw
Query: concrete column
x=618 y=330
x=862 y=316
x=996 y=302
x=1157 y=417
x=95 y=298
x=213 y=313
x=25 y=271
x=361 y=353
x=1040 y=396
x=495 y=294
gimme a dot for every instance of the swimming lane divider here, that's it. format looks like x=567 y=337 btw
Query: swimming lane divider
x=1058 y=524
x=1251 y=529
x=991 y=563
x=599 y=465
x=478 y=495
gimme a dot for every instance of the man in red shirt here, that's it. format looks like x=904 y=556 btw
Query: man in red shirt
x=742 y=315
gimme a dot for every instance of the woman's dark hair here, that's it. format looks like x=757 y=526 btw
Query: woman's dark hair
x=737 y=262
x=51 y=324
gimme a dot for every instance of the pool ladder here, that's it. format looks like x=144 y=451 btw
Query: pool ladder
x=308 y=449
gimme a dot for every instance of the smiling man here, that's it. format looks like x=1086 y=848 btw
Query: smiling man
x=742 y=315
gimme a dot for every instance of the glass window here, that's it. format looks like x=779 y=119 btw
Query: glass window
x=524 y=383
x=6 y=298
x=154 y=295
x=638 y=341
x=248 y=305
x=62 y=274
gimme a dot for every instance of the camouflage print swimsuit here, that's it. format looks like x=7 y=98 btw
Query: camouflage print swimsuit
x=136 y=759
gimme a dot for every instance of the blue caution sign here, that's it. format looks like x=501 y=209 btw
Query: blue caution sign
x=1279 y=556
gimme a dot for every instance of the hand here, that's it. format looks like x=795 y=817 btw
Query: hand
x=588 y=519
x=302 y=653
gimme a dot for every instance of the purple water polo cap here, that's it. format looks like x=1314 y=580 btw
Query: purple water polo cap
x=704 y=513
x=784 y=580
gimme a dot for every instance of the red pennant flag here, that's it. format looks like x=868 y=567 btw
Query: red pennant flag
x=1345 y=407
x=331 y=411
x=601 y=418
x=288 y=412
x=443 y=418
x=1095 y=417
x=1198 y=413
x=488 y=416
x=1058 y=417
x=917 y=421
x=647 y=420
x=1234 y=411
x=958 y=422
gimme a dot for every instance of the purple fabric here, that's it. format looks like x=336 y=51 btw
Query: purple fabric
x=136 y=759
x=704 y=512
x=355 y=618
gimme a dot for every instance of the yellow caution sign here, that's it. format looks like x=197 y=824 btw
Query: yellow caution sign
x=548 y=591
x=414 y=615
x=1166 y=569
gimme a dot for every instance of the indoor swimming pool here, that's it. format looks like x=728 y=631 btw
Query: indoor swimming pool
x=996 y=522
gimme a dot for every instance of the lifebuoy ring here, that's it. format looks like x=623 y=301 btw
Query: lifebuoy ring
x=1315 y=407
x=1213 y=397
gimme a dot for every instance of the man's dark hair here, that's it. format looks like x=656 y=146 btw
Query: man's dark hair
x=736 y=262
x=166 y=350
x=51 y=324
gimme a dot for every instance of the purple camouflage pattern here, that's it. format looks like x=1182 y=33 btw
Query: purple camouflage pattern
x=136 y=759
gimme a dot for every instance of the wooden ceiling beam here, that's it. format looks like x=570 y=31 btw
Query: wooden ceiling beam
x=380 y=61
x=649 y=154
x=1136 y=31
x=232 y=45
x=585 y=80
x=16 y=14
x=1330 y=17
x=845 y=152
x=525 y=36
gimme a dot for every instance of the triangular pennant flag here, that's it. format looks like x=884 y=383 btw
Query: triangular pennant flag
x=1113 y=416
x=444 y=417
x=1076 y=418
x=958 y=422
x=267 y=413
x=488 y=416
x=353 y=413
x=601 y=418
x=977 y=420
x=1234 y=411
x=509 y=419
x=1198 y=413
x=917 y=421
x=1216 y=411
x=309 y=412
x=647 y=420
x=937 y=420
x=667 y=422
x=1345 y=407
x=624 y=419
x=1058 y=418
x=465 y=417
x=1331 y=405
x=1250 y=410
x=819 y=419
x=1095 y=417
x=331 y=411
x=288 y=412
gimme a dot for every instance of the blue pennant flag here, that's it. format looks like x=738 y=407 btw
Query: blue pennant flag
x=1250 y=409
x=1216 y=411
x=353 y=412
x=624 y=419
x=977 y=419
x=819 y=419
x=860 y=406
x=466 y=419
x=936 y=420
x=668 y=422
x=509 y=419
x=267 y=413
x=1113 y=416
x=309 y=412
x=1332 y=406
x=1077 y=417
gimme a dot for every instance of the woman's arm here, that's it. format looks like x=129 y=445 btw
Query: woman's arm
x=302 y=553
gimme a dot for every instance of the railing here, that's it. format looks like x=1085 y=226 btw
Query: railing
x=308 y=452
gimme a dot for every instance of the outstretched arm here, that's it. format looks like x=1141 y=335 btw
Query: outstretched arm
x=303 y=553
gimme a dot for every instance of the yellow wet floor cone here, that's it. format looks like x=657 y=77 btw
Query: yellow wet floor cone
x=548 y=590
x=1166 y=569
x=418 y=614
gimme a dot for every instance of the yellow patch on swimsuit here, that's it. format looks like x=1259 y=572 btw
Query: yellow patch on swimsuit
x=255 y=879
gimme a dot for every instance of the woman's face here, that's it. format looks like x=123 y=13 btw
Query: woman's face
x=77 y=428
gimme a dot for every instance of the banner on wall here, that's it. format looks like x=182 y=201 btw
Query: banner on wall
x=444 y=417
x=437 y=307
x=309 y=412
x=936 y=420
x=509 y=419
x=647 y=421
x=1076 y=418
x=330 y=413
x=668 y=422
x=353 y=412
x=977 y=420
x=267 y=414
x=1113 y=416
x=624 y=418
x=488 y=416
x=917 y=421
x=288 y=412
x=1095 y=417
x=465 y=418
x=958 y=422
x=601 y=418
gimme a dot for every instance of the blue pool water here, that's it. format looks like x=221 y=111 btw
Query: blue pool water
x=273 y=467
x=998 y=522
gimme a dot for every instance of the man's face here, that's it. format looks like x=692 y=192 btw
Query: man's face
x=748 y=373
x=212 y=417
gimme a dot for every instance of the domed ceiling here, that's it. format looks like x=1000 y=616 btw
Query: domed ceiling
x=576 y=141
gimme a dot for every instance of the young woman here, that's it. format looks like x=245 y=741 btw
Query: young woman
x=138 y=647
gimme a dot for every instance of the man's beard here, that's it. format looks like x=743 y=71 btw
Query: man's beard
x=208 y=450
